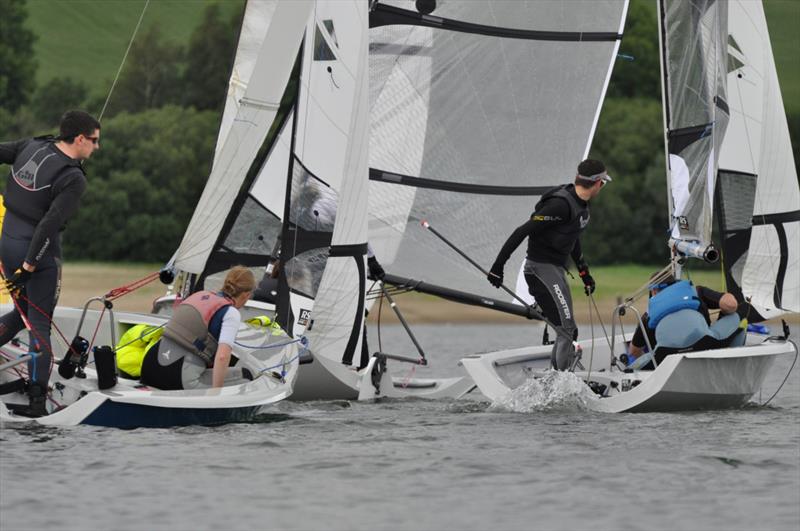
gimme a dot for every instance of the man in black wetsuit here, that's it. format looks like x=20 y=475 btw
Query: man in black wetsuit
x=43 y=191
x=553 y=234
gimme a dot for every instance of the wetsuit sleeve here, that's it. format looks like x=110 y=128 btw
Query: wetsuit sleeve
x=67 y=193
x=9 y=150
x=709 y=297
x=551 y=213
x=638 y=337
x=577 y=254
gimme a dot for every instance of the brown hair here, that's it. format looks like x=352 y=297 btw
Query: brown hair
x=238 y=280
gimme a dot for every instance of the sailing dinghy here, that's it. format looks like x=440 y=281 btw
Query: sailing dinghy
x=707 y=47
x=303 y=201
x=273 y=358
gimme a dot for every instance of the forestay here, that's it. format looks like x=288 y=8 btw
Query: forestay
x=476 y=109
x=758 y=194
x=693 y=39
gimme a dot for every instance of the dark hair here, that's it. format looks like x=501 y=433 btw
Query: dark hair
x=75 y=123
x=587 y=168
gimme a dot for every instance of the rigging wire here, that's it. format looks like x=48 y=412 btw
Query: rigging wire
x=786 y=377
x=124 y=58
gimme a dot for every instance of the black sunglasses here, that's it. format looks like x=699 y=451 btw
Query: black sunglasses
x=93 y=139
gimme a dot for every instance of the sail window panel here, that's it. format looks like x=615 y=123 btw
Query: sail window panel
x=544 y=15
x=737 y=195
x=490 y=110
x=322 y=52
x=304 y=271
x=255 y=230
x=313 y=203
x=476 y=224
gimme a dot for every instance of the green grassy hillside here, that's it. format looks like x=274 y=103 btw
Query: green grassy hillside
x=783 y=17
x=86 y=39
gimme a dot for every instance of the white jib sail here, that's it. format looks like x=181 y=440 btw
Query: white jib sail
x=256 y=112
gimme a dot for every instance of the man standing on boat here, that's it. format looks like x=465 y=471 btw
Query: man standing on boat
x=553 y=233
x=43 y=191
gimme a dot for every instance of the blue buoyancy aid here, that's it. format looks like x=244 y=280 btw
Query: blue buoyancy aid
x=679 y=296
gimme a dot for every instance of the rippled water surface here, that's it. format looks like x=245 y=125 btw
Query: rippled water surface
x=533 y=463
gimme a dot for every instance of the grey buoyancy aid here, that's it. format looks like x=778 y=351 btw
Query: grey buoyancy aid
x=190 y=324
x=560 y=239
x=34 y=172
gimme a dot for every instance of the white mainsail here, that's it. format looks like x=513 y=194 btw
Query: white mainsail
x=759 y=196
x=474 y=114
x=255 y=114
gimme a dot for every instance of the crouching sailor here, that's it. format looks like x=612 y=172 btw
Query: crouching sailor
x=195 y=350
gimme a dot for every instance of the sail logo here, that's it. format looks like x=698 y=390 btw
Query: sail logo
x=305 y=315
x=584 y=222
x=563 y=301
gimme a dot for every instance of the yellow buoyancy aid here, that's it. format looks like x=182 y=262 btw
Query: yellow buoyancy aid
x=133 y=345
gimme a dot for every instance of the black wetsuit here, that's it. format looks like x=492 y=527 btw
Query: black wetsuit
x=553 y=234
x=43 y=191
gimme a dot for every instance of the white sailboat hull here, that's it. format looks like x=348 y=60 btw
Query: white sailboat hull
x=712 y=379
x=324 y=379
x=130 y=405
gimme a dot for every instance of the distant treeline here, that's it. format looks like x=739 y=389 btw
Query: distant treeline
x=160 y=126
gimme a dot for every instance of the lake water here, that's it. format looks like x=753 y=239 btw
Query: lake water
x=418 y=464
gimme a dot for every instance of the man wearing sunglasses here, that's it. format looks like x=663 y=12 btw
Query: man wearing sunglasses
x=553 y=233
x=43 y=190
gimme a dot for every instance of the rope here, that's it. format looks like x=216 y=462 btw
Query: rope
x=124 y=58
x=787 y=374
x=284 y=363
x=123 y=290
x=301 y=339
x=407 y=378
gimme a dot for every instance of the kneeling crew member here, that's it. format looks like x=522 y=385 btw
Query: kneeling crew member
x=553 y=234
x=708 y=300
x=195 y=350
